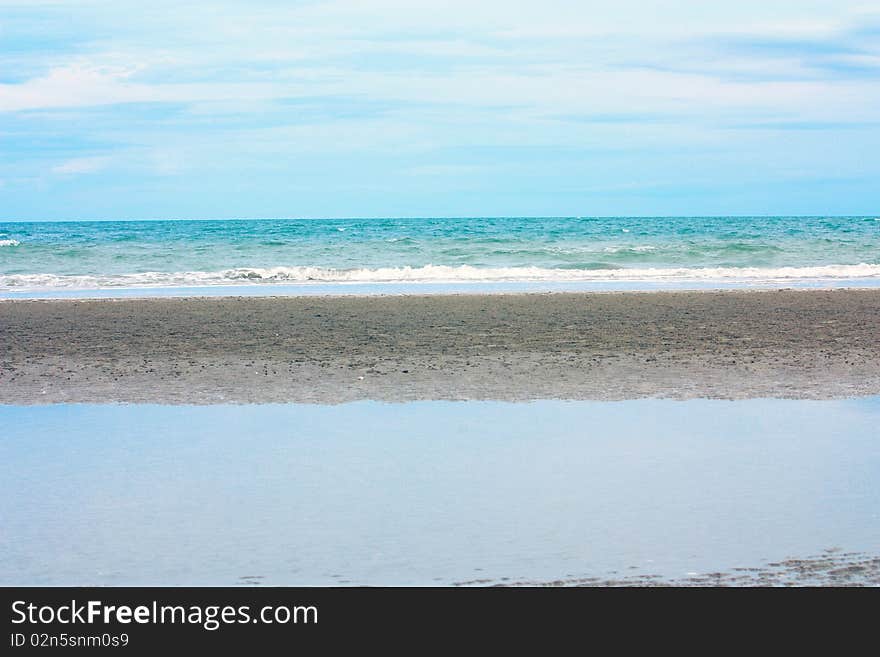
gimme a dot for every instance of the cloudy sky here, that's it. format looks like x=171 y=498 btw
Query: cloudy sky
x=406 y=108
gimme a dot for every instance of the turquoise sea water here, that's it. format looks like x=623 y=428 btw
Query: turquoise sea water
x=46 y=256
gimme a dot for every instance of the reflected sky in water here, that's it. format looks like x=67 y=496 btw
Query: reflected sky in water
x=430 y=492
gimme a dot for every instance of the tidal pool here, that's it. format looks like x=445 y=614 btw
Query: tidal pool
x=429 y=493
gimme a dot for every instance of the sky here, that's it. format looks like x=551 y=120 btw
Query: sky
x=363 y=108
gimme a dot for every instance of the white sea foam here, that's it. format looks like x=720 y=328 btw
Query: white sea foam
x=644 y=248
x=436 y=274
x=9 y=242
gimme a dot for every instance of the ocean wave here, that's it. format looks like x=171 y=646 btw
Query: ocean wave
x=9 y=242
x=434 y=274
x=644 y=248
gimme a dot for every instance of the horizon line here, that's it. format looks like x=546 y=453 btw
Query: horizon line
x=455 y=217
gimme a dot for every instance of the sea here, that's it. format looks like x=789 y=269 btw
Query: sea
x=70 y=258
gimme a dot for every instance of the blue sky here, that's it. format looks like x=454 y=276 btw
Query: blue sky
x=395 y=108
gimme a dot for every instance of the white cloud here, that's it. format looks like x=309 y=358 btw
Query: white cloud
x=546 y=58
x=86 y=85
x=68 y=86
x=81 y=165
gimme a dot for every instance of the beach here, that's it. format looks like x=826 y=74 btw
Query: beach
x=355 y=295
x=802 y=344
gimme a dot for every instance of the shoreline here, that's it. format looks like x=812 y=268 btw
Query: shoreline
x=832 y=567
x=609 y=345
x=425 y=288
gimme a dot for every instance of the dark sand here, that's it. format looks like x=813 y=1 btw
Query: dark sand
x=733 y=344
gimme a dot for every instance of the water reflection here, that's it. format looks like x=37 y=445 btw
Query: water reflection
x=430 y=492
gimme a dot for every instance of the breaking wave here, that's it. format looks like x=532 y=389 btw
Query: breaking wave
x=433 y=274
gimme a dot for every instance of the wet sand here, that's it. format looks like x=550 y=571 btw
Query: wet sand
x=811 y=344
x=831 y=568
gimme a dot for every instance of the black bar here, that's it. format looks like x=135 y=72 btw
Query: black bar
x=326 y=619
